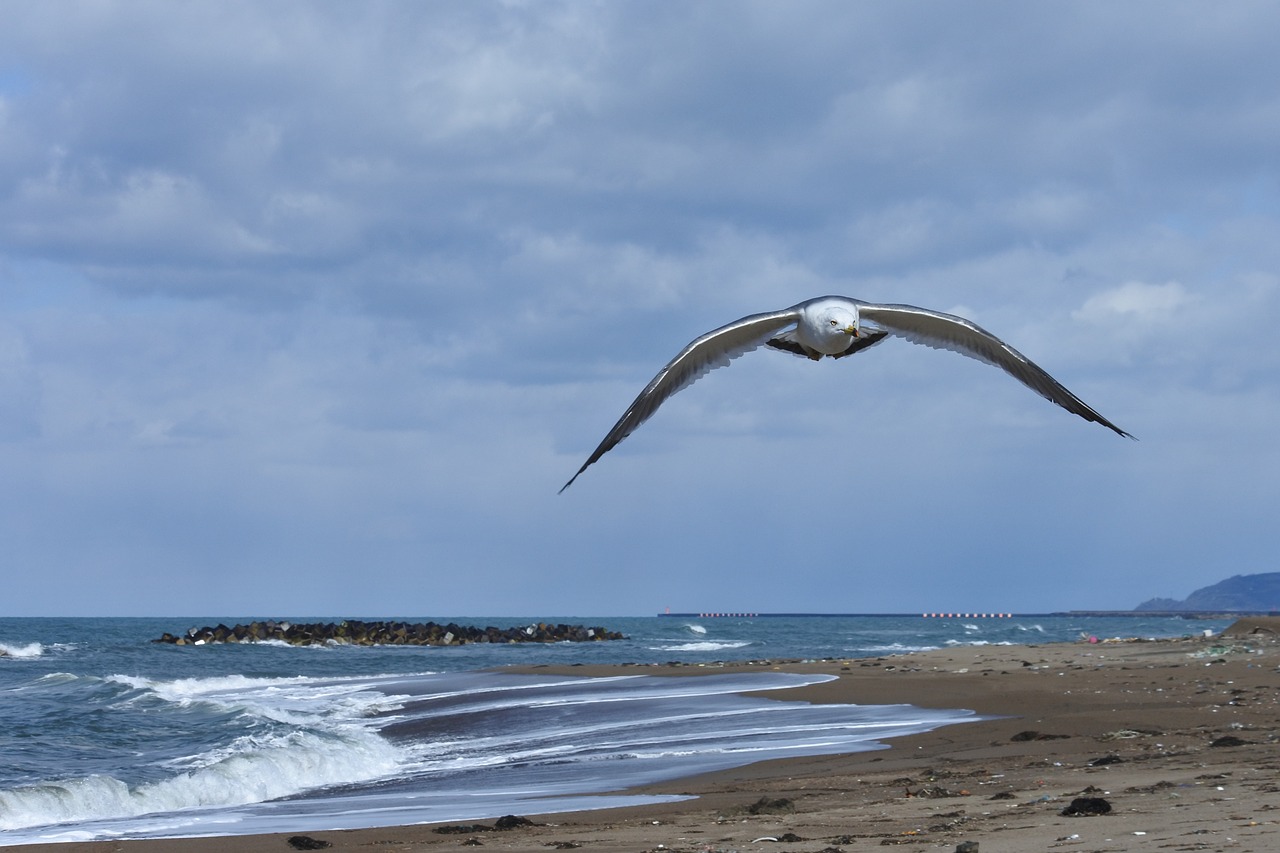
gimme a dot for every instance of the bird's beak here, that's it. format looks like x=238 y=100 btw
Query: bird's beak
x=851 y=330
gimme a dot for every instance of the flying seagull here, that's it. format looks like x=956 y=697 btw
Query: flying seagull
x=836 y=326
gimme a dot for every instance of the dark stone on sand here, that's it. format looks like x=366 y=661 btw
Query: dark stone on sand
x=500 y=825
x=1087 y=806
x=764 y=805
x=361 y=633
x=1105 y=760
x=1229 y=740
x=967 y=847
x=306 y=842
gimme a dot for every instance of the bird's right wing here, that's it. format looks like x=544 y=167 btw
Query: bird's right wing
x=714 y=349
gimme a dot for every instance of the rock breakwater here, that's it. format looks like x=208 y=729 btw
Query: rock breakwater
x=361 y=633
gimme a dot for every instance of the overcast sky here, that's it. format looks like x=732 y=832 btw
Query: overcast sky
x=310 y=308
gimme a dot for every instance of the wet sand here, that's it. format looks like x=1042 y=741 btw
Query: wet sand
x=1179 y=739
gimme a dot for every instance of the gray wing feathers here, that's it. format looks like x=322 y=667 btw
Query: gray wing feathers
x=946 y=331
x=714 y=349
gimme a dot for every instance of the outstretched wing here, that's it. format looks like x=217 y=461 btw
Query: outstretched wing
x=946 y=331
x=714 y=349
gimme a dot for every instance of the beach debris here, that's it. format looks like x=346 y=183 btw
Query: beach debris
x=566 y=845
x=1229 y=740
x=306 y=842
x=1003 y=795
x=355 y=632
x=1217 y=652
x=1034 y=735
x=1103 y=761
x=936 y=792
x=502 y=824
x=967 y=847
x=955 y=819
x=1087 y=807
x=907 y=836
x=462 y=829
x=1129 y=734
x=789 y=837
x=764 y=805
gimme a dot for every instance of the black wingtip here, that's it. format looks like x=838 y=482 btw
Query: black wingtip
x=571 y=479
x=1109 y=425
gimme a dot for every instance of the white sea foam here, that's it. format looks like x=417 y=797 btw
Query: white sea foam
x=705 y=646
x=327 y=738
x=979 y=643
x=250 y=771
x=30 y=650
x=297 y=700
x=892 y=648
x=696 y=628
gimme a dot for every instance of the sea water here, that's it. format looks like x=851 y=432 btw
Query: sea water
x=107 y=734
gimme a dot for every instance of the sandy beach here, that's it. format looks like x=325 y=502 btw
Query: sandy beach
x=1175 y=742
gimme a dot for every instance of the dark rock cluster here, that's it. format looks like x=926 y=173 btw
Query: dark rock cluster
x=502 y=824
x=381 y=633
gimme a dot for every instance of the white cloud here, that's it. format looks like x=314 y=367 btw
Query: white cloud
x=1137 y=304
x=315 y=282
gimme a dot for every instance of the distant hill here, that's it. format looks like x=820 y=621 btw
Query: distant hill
x=1243 y=592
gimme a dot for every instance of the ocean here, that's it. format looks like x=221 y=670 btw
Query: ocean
x=109 y=735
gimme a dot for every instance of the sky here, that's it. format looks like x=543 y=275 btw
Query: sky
x=311 y=308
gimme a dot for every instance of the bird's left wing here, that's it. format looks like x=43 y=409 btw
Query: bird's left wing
x=714 y=349
x=949 y=332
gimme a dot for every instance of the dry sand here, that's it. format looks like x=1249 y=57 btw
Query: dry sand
x=1180 y=738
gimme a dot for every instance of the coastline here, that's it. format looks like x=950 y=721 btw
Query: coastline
x=1180 y=737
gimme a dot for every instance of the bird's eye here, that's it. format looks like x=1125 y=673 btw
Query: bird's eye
x=834 y=323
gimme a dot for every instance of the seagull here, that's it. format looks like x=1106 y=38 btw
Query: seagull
x=835 y=327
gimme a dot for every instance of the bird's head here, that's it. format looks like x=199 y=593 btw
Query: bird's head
x=828 y=325
x=840 y=320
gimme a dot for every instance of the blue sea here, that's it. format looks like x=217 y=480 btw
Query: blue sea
x=109 y=735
